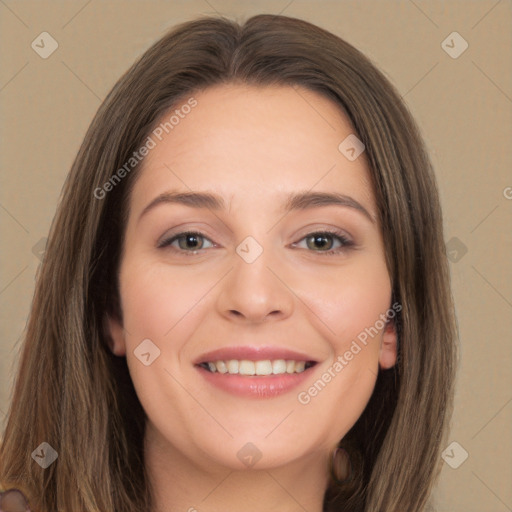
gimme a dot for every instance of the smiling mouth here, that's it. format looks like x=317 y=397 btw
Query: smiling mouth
x=261 y=368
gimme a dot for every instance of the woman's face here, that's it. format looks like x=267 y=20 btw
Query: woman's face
x=258 y=277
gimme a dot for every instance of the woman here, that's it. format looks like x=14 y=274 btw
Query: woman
x=257 y=370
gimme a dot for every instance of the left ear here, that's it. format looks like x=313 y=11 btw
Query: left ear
x=387 y=354
x=115 y=335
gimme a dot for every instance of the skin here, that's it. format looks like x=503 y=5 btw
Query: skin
x=252 y=146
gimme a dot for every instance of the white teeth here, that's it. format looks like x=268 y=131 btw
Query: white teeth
x=266 y=367
x=300 y=366
x=232 y=366
x=263 y=367
x=221 y=367
x=279 y=366
x=246 y=368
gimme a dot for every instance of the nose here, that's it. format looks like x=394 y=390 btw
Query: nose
x=255 y=291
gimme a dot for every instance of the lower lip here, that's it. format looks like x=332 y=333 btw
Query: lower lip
x=267 y=386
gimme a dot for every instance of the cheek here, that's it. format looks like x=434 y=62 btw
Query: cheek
x=153 y=304
x=163 y=308
x=351 y=306
x=350 y=303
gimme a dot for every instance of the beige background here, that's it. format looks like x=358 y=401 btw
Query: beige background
x=463 y=107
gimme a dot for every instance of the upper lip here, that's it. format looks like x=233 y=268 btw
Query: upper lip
x=252 y=354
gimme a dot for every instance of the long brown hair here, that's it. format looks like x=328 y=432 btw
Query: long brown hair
x=73 y=393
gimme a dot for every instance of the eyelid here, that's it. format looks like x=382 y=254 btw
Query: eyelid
x=325 y=228
x=167 y=239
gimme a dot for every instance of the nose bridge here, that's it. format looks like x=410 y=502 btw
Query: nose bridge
x=253 y=290
x=252 y=268
x=250 y=250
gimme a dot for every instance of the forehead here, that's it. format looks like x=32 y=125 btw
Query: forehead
x=253 y=144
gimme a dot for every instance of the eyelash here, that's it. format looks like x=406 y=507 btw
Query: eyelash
x=346 y=243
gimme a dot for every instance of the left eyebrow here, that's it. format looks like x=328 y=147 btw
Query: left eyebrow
x=305 y=200
x=294 y=201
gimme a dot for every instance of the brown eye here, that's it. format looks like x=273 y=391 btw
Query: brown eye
x=188 y=241
x=322 y=242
